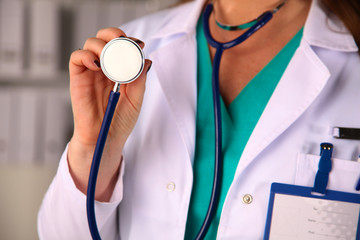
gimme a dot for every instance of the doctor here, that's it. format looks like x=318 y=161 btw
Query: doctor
x=283 y=90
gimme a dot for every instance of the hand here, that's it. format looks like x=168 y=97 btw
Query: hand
x=89 y=90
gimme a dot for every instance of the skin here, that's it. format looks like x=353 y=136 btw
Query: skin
x=254 y=53
x=89 y=88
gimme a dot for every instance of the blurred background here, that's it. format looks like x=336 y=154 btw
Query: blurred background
x=36 y=40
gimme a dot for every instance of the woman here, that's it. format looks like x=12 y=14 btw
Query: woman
x=282 y=90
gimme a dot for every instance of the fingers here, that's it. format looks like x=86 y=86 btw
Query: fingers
x=140 y=82
x=88 y=58
x=95 y=45
x=148 y=64
x=134 y=91
x=108 y=34
x=83 y=59
x=139 y=42
x=142 y=77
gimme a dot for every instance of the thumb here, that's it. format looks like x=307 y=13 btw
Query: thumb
x=134 y=91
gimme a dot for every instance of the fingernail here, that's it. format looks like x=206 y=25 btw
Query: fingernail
x=97 y=63
x=121 y=36
x=139 y=41
x=149 y=67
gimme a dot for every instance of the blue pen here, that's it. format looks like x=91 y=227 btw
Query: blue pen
x=358 y=185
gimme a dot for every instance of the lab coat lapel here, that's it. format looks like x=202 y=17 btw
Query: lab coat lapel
x=176 y=67
x=299 y=86
x=179 y=84
x=303 y=80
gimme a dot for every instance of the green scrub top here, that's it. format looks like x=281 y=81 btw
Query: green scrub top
x=238 y=122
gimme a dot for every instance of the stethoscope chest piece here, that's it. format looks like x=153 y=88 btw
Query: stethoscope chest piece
x=122 y=60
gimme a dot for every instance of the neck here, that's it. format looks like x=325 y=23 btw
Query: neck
x=242 y=62
x=232 y=12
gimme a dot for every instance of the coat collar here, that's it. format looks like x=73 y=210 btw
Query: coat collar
x=323 y=29
x=183 y=19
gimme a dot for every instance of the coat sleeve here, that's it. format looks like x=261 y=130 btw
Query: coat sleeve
x=62 y=214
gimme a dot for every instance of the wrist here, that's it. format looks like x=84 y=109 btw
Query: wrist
x=80 y=159
x=80 y=152
x=84 y=151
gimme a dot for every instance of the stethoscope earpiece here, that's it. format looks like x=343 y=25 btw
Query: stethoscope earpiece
x=122 y=60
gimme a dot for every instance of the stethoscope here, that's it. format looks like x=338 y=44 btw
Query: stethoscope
x=122 y=61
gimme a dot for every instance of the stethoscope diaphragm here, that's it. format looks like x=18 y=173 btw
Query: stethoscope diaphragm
x=122 y=60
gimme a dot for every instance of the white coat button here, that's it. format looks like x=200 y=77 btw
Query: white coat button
x=247 y=199
x=170 y=187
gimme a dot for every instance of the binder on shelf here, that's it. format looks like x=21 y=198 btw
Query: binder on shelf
x=27 y=118
x=12 y=37
x=120 y=12
x=86 y=22
x=14 y=130
x=5 y=107
x=168 y=4
x=142 y=8
x=58 y=124
x=44 y=38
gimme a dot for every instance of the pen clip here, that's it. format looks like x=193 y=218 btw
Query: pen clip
x=325 y=165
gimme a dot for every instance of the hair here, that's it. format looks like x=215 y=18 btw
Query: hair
x=348 y=11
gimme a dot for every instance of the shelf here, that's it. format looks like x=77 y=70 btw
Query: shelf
x=60 y=79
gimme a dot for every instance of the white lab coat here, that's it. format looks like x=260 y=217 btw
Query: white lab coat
x=319 y=90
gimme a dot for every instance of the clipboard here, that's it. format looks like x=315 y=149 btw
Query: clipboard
x=296 y=212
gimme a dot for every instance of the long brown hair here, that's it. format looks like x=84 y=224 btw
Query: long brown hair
x=349 y=13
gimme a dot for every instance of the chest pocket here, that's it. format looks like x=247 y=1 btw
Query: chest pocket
x=343 y=176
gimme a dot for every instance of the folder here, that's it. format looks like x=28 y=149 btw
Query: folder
x=44 y=39
x=86 y=22
x=5 y=108
x=120 y=12
x=22 y=125
x=27 y=120
x=58 y=125
x=12 y=37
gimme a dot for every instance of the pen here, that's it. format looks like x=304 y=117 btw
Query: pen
x=357 y=187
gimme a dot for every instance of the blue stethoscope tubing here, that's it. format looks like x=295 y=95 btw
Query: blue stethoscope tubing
x=109 y=113
x=220 y=47
x=104 y=130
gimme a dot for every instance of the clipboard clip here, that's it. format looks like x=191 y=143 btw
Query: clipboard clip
x=325 y=165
